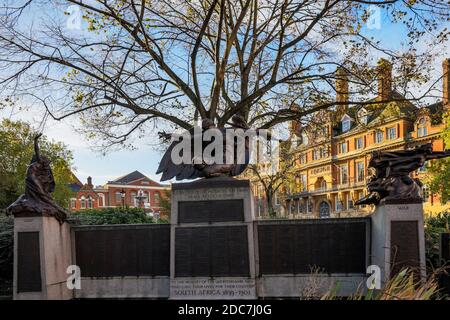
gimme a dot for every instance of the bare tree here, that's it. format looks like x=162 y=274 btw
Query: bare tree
x=142 y=66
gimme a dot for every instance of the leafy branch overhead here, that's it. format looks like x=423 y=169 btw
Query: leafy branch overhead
x=138 y=66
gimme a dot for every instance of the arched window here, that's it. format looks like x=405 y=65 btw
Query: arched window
x=73 y=203
x=323 y=185
x=101 y=200
x=90 y=203
x=422 y=129
x=83 y=202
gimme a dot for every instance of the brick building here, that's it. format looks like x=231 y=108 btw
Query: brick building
x=332 y=159
x=132 y=190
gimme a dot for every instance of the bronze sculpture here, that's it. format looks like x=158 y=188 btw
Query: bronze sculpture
x=194 y=170
x=391 y=180
x=39 y=184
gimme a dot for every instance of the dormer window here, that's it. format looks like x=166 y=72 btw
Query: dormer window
x=422 y=129
x=346 y=123
x=305 y=138
x=363 y=116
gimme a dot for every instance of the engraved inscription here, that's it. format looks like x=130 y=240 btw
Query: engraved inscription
x=211 y=211
x=404 y=245
x=211 y=252
x=28 y=263
x=295 y=248
x=212 y=289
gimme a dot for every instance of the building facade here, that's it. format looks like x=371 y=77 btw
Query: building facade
x=131 y=190
x=331 y=165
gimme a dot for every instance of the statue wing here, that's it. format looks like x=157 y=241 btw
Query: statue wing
x=182 y=171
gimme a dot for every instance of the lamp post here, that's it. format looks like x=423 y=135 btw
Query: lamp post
x=122 y=194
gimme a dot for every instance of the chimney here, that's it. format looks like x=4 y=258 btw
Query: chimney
x=341 y=85
x=446 y=83
x=384 y=73
x=89 y=181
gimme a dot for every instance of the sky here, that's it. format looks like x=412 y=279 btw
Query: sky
x=103 y=168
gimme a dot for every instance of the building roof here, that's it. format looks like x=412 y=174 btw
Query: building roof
x=134 y=176
x=75 y=187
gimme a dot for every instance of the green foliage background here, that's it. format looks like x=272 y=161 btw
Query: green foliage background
x=440 y=169
x=111 y=216
x=16 y=151
x=434 y=226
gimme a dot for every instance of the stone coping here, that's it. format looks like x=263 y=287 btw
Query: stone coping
x=219 y=182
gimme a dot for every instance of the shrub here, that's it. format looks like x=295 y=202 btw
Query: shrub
x=434 y=226
x=6 y=246
x=111 y=216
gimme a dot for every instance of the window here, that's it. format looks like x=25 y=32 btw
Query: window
x=73 y=203
x=133 y=199
x=157 y=199
x=315 y=154
x=392 y=133
x=323 y=185
x=324 y=152
x=304 y=182
x=379 y=136
x=343 y=147
x=359 y=143
x=422 y=129
x=425 y=193
x=83 y=203
x=349 y=203
x=360 y=171
x=303 y=158
x=343 y=170
x=363 y=116
x=338 y=204
x=118 y=197
x=346 y=123
x=309 y=205
x=90 y=203
x=304 y=138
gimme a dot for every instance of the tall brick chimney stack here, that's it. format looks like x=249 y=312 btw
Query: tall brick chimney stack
x=341 y=85
x=384 y=73
x=446 y=83
x=89 y=181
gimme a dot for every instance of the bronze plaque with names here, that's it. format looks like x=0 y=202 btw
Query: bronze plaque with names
x=28 y=262
x=123 y=251
x=211 y=211
x=404 y=245
x=211 y=252
x=296 y=247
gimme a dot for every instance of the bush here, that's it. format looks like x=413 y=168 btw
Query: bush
x=111 y=216
x=6 y=246
x=434 y=226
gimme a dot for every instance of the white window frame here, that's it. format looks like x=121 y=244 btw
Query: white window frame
x=379 y=133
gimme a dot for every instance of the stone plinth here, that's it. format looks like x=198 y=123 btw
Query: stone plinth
x=212 y=248
x=398 y=237
x=42 y=253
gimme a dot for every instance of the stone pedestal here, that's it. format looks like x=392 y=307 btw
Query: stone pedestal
x=398 y=239
x=212 y=248
x=42 y=253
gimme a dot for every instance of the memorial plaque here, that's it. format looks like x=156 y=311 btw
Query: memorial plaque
x=213 y=288
x=404 y=245
x=28 y=262
x=210 y=211
x=298 y=247
x=123 y=252
x=211 y=251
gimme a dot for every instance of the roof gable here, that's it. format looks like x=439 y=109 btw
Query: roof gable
x=135 y=177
